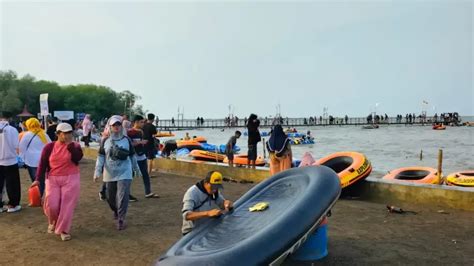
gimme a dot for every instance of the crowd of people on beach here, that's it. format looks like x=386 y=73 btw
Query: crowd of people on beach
x=127 y=149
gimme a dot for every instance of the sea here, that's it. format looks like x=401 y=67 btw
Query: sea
x=389 y=147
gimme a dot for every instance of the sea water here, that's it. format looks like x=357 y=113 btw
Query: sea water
x=388 y=147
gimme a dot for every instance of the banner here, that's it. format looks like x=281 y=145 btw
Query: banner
x=64 y=115
x=44 y=104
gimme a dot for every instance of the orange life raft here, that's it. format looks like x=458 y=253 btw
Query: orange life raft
x=189 y=144
x=164 y=134
x=207 y=156
x=414 y=174
x=350 y=166
x=242 y=160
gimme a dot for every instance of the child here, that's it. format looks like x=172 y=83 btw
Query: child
x=229 y=147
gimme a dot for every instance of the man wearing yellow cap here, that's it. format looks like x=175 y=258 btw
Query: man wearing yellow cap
x=203 y=201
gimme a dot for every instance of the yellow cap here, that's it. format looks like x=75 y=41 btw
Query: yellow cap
x=215 y=179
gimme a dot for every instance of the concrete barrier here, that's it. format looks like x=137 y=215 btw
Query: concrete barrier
x=201 y=169
x=373 y=189
x=198 y=169
x=432 y=196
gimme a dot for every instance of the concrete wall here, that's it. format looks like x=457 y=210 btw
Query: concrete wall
x=432 y=196
x=199 y=170
x=373 y=189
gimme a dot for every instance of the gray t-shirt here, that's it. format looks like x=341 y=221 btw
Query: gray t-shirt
x=195 y=200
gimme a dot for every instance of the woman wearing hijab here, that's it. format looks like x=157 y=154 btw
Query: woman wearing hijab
x=116 y=163
x=59 y=165
x=86 y=130
x=279 y=149
x=253 y=138
x=30 y=147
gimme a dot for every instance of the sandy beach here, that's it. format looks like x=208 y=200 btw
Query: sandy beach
x=360 y=232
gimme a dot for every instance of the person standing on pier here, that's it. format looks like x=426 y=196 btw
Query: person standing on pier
x=253 y=138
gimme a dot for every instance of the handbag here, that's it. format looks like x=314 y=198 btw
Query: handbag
x=119 y=153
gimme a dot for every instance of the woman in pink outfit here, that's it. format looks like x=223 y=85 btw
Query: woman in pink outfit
x=87 y=130
x=59 y=165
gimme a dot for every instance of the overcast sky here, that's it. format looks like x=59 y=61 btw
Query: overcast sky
x=202 y=56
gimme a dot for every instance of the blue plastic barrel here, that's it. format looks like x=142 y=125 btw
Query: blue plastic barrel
x=315 y=247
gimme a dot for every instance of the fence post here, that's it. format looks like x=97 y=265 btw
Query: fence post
x=440 y=166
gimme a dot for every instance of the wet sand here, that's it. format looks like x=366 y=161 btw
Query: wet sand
x=359 y=232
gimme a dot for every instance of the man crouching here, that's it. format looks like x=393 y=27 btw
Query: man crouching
x=203 y=201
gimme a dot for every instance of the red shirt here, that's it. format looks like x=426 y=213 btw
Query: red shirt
x=60 y=161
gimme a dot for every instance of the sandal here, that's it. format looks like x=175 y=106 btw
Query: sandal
x=51 y=228
x=65 y=237
x=152 y=195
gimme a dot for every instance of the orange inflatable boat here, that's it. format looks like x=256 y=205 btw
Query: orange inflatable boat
x=414 y=174
x=439 y=127
x=350 y=166
x=189 y=144
x=199 y=139
x=207 y=156
x=164 y=134
x=242 y=160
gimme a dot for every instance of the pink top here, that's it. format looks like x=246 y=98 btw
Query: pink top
x=60 y=161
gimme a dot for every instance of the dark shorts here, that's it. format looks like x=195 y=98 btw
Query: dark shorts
x=252 y=152
x=230 y=155
x=150 y=151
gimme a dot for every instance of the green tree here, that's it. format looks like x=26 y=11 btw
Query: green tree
x=99 y=101
x=11 y=101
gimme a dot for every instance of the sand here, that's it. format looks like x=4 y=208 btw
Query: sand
x=359 y=232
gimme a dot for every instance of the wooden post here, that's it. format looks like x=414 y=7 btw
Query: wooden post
x=440 y=166
x=264 y=151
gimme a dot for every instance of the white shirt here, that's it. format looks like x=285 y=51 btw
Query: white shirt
x=31 y=154
x=8 y=144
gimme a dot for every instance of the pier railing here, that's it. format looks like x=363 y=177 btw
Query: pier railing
x=169 y=124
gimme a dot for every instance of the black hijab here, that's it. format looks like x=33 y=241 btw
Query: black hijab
x=278 y=140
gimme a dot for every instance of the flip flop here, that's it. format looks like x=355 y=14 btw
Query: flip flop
x=152 y=196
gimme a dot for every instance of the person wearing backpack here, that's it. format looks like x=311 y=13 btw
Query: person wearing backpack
x=59 y=169
x=31 y=145
x=116 y=163
x=279 y=149
x=9 y=173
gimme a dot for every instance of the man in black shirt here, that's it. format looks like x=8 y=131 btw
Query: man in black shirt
x=51 y=131
x=149 y=132
x=253 y=138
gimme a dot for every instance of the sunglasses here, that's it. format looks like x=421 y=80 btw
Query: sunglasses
x=116 y=125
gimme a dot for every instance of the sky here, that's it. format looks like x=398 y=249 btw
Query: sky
x=351 y=57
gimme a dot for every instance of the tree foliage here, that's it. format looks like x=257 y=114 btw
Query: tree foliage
x=99 y=101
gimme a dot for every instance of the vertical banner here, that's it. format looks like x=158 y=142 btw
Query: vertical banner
x=44 y=108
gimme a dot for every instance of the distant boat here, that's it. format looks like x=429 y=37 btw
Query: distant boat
x=373 y=126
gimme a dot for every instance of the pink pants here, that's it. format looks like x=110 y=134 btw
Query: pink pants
x=60 y=200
